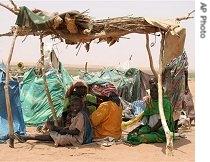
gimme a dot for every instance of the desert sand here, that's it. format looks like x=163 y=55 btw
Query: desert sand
x=184 y=151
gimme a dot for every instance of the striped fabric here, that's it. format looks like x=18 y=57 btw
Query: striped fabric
x=103 y=89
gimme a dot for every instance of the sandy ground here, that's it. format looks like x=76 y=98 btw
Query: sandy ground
x=184 y=151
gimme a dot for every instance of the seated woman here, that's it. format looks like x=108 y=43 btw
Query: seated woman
x=107 y=119
x=151 y=130
x=78 y=132
x=79 y=89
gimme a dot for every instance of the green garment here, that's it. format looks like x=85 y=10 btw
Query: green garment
x=144 y=133
x=90 y=101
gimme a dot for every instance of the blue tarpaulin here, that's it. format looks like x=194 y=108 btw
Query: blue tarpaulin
x=14 y=93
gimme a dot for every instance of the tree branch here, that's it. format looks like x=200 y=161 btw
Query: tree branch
x=6 y=34
x=15 y=6
x=9 y=8
x=168 y=133
x=49 y=98
x=150 y=57
x=185 y=17
x=7 y=96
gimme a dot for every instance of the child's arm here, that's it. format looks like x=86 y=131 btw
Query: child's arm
x=65 y=131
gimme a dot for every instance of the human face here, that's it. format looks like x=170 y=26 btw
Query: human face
x=75 y=107
x=154 y=92
x=153 y=89
x=81 y=91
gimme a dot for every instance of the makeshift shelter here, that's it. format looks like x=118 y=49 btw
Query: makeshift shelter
x=78 y=28
x=36 y=109
x=18 y=122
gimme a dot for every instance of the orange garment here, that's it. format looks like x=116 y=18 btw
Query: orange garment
x=106 y=120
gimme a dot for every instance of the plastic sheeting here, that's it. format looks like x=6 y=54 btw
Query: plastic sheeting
x=131 y=84
x=130 y=110
x=28 y=18
x=18 y=121
x=36 y=109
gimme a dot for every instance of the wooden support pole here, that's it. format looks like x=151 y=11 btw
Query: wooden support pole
x=168 y=133
x=46 y=86
x=150 y=57
x=86 y=66
x=6 y=88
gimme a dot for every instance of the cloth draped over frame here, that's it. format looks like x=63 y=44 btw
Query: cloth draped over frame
x=131 y=84
x=174 y=82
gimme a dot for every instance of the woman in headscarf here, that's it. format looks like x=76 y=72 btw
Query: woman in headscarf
x=151 y=130
x=77 y=89
x=107 y=119
x=80 y=89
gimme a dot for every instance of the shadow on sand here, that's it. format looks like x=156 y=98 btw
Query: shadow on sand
x=39 y=145
x=177 y=144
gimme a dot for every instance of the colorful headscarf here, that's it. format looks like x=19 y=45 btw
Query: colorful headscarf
x=104 y=89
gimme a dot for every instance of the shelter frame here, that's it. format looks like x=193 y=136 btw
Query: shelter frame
x=109 y=30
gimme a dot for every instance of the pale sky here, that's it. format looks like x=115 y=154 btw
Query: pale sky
x=101 y=54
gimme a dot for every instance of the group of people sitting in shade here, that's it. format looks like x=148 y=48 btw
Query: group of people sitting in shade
x=86 y=117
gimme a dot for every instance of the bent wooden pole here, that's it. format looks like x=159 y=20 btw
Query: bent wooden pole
x=168 y=133
x=6 y=89
x=46 y=86
x=150 y=57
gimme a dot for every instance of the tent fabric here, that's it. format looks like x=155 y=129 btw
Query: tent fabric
x=131 y=84
x=174 y=82
x=38 y=20
x=18 y=122
x=130 y=110
x=27 y=18
x=36 y=109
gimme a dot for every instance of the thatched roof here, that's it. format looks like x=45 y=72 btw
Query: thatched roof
x=76 y=27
